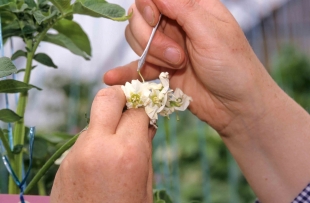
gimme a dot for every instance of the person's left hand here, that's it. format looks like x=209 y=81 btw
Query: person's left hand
x=112 y=160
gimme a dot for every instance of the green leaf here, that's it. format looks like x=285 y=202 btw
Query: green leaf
x=11 y=29
x=65 y=42
x=40 y=148
x=31 y=3
x=18 y=54
x=17 y=149
x=9 y=116
x=63 y=5
x=44 y=59
x=6 y=5
x=22 y=70
x=100 y=8
x=29 y=29
x=161 y=196
x=14 y=86
x=6 y=67
x=74 y=31
x=40 y=17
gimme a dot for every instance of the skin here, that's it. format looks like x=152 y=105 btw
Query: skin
x=264 y=129
x=111 y=160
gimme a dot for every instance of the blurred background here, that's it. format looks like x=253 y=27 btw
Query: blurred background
x=190 y=160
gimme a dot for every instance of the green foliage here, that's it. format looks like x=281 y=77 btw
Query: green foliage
x=44 y=59
x=161 y=196
x=17 y=149
x=292 y=72
x=6 y=67
x=18 y=54
x=100 y=8
x=9 y=116
x=187 y=160
x=15 y=86
x=63 y=6
x=64 y=41
x=73 y=31
x=32 y=20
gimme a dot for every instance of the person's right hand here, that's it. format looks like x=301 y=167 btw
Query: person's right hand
x=207 y=55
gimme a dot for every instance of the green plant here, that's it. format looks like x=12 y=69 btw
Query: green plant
x=32 y=20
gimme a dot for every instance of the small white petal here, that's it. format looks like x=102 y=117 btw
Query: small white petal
x=62 y=157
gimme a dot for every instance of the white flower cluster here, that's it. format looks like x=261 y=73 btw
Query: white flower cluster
x=155 y=98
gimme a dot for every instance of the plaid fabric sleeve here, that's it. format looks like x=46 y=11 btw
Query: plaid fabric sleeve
x=303 y=197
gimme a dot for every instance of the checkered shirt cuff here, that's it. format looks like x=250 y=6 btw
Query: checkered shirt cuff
x=303 y=197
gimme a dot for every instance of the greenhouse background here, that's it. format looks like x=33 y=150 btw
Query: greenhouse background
x=190 y=161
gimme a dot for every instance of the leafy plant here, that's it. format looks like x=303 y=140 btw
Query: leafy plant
x=32 y=21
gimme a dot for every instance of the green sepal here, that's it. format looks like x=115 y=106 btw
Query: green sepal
x=9 y=116
x=100 y=8
x=15 y=86
x=44 y=59
x=6 y=67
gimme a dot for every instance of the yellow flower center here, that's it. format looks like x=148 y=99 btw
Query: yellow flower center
x=135 y=100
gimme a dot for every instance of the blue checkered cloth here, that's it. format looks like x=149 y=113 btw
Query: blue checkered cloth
x=303 y=197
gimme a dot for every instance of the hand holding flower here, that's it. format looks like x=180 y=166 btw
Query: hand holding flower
x=111 y=161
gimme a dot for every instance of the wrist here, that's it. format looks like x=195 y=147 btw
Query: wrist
x=270 y=144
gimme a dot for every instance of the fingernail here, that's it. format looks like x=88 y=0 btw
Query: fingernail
x=172 y=55
x=148 y=15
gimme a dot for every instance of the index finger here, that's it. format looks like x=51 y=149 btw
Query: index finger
x=106 y=110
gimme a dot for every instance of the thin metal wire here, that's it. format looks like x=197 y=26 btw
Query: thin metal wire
x=8 y=166
x=142 y=58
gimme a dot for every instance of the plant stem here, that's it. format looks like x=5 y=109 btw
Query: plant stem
x=6 y=145
x=50 y=162
x=41 y=187
x=19 y=129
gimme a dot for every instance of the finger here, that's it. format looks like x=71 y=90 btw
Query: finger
x=149 y=11
x=123 y=74
x=199 y=19
x=135 y=123
x=106 y=110
x=170 y=53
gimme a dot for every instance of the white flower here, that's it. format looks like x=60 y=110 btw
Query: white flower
x=179 y=100
x=164 y=79
x=157 y=102
x=155 y=98
x=136 y=94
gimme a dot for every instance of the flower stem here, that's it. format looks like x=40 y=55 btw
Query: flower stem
x=140 y=75
x=51 y=161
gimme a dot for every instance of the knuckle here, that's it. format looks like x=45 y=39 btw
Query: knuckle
x=110 y=92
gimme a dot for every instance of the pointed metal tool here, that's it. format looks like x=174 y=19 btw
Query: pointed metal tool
x=141 y=60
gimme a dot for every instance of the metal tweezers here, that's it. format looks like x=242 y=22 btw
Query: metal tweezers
x=141 y=60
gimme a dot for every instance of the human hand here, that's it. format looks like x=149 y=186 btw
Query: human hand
x=212 y=60
x=111 y=161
